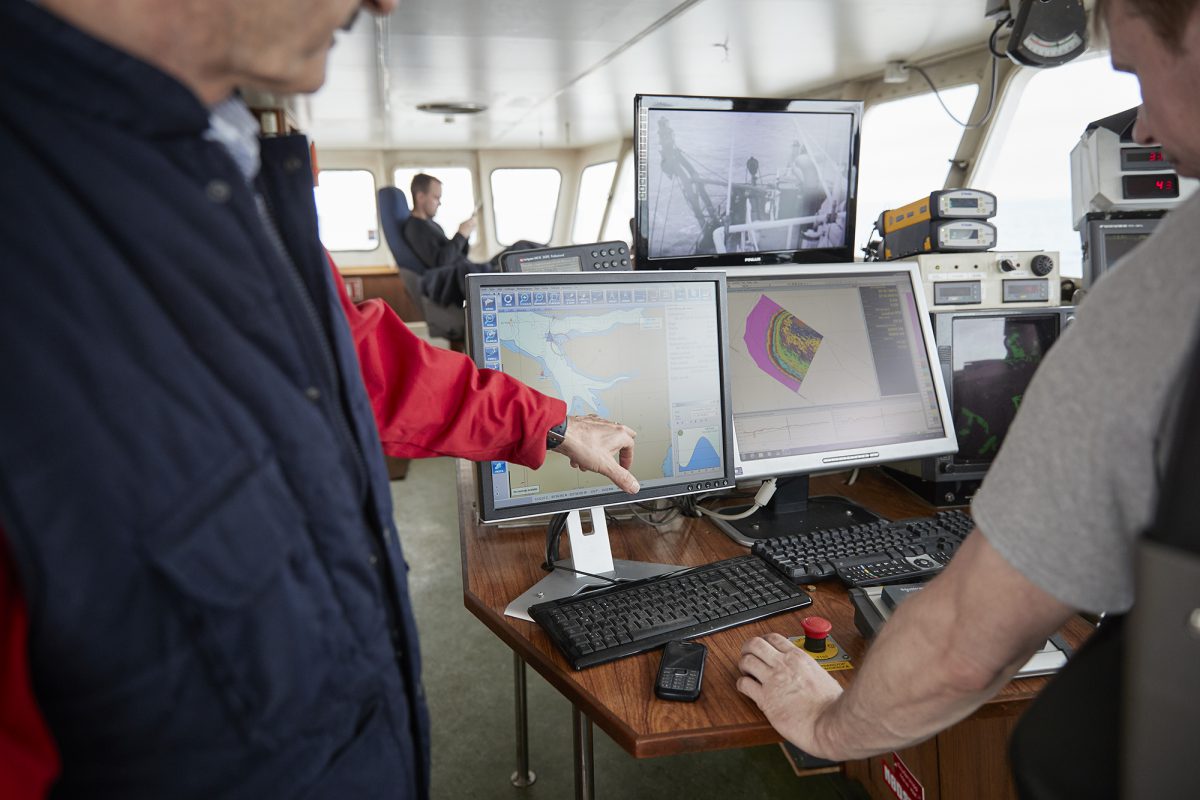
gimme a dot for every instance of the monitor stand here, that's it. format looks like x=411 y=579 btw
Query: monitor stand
x=590 y=552
x=792 y=511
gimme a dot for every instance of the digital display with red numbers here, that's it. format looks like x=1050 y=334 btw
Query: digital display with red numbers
x=1150 y=186
x=1143 y=158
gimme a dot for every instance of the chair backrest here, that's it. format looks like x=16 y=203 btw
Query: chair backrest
x=393 y=213
x=447 y=322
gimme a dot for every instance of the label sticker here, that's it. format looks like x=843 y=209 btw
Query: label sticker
x=900 y=780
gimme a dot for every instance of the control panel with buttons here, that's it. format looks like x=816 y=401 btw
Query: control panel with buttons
x=597 y=257
x=992 y=279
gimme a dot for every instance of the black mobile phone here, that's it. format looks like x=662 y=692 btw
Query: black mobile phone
x=681 y=671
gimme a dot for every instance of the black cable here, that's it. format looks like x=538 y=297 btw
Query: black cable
x=1005 y=20
x=554 y=531
x=987 y=114
x=687 y=505
x=555 y=567
x=871 y=249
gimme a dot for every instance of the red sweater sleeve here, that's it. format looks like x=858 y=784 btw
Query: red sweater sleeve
x=429 y=401
x=28 y=758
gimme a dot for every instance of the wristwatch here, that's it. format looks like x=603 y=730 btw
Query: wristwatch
x=556 y=435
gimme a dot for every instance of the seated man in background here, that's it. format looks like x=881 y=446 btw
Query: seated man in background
x=444 y=258
x=426 y=237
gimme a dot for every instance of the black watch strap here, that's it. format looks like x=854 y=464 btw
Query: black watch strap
x=556 y=435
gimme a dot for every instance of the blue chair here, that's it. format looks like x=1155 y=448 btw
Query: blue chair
x=449 y=321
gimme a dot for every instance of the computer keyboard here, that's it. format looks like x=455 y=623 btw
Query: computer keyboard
x=869 y=554
x=629 y=618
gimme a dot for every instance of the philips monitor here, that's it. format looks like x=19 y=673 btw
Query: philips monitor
x=643 y=349
x=737 y=181
x=987 y=361
x=832 y=368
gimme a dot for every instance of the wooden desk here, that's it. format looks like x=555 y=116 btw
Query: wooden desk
x=968 y=760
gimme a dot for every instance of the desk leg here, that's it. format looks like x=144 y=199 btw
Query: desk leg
x=524 y=776
x=585 y=774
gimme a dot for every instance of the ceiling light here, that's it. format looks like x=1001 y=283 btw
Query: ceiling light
x=451 y=108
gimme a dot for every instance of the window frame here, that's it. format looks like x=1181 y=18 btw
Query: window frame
x=608 y=198
x=492 y=195
x=374 y=206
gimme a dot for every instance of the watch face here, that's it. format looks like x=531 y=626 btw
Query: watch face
x=556 y=435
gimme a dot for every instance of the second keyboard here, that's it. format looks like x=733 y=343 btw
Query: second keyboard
x=870 y=554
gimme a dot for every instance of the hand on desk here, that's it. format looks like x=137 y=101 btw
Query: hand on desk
x=591 y=444
x=788 y=686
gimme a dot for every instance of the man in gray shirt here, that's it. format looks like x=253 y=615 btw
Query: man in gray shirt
x=1073 y=487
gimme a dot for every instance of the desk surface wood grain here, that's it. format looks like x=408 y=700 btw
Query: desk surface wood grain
x=499 y=563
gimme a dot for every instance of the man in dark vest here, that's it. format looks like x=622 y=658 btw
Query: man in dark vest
x=444 y=258
x=425 y=236
x=1076 y=485
x=202 y=591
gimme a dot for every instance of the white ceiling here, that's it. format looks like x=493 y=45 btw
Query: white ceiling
x=563 y=73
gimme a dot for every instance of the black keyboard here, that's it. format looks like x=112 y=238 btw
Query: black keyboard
x=870 y=554
x=629 y=618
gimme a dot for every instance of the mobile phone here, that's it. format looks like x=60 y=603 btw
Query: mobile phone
x=681 y=671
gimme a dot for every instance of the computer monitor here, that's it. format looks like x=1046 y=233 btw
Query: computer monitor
x=987 y=361
x=1106 y=240
x=643 y=349
x=728 y=181
x=831 y=368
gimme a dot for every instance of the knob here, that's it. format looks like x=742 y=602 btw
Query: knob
x=1042 y=265
x=1008 y=265
x=815 y=631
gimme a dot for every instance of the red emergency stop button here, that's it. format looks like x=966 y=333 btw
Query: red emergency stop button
x=815 y=631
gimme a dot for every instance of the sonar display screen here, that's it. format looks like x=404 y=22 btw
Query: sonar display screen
x=994 y=360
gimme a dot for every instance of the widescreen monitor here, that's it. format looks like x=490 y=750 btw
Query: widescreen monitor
x=643 y=349
x=832 y=367
x=725 y=181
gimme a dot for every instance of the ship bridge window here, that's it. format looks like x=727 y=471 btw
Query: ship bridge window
x=616 y=227
x=458 y=194
x=905 y=152
x=1027 y=164
x=346 y=213
x=594 y=186
x=524 y=201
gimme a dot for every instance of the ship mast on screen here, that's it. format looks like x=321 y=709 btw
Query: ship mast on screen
x=746 y=182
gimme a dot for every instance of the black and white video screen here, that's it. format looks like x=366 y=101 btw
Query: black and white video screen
x=746 y=181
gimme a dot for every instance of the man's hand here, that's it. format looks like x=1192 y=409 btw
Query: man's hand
x=789 y=686
x=467 y=227
x=591 y=443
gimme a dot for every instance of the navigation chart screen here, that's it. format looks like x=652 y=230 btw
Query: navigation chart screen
x=640 y=353
x=824 y=363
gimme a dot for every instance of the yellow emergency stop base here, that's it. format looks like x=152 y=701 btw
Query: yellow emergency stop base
x=832 y=659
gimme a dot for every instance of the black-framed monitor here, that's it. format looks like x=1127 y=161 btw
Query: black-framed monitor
x=833 y=367
x=1106 y=240
x=732 y=181
x=988 y=358
x=643 y=349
